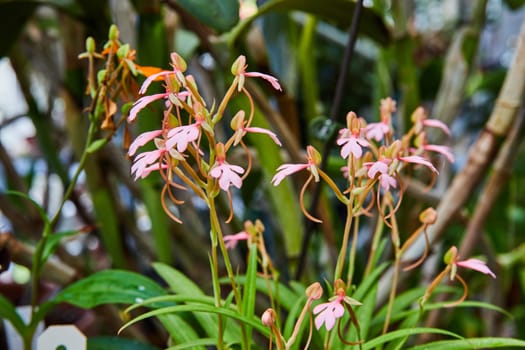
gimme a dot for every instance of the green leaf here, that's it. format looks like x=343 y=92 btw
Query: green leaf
x=196 y=344
x=471 y=343
x=180 y=331
x=248 y=296
x=198 y=308
x=514 y=4
x=220 y=15
x=96 y=145
x=110 y=287
x=404 y=333
x=181 y=284
x=52 y=242
x=117 y=343
x=8 y=312
x=338 y=11
x=41 y=210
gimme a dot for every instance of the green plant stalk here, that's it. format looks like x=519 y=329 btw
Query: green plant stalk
x=217 y=237
x=398 y=252
x=346 y=236
x=353 y=253
x=375 y=244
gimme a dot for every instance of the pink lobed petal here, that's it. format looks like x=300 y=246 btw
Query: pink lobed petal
x=419 y=160
x=387 y=181
x=434 y=123
x=444 y=150
x=141 y=103
x=477 y=265
x=285 y=170
x=266 y=132
x=142 y=139
x=152 y=78
x=267 y=77
x=377 y=167
x=232 y=240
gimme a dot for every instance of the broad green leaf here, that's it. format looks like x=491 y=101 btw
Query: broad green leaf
x=471 y=343
x=117 y=343
x=248 y=296
x=220 y=15
x=8 y=312
x=109 y=287
x=180 y=284
x=180 y=331
x=338 y=11
x=382 y=339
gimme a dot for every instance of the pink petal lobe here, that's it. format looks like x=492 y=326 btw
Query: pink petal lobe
x=434 y=123
x=477 y=265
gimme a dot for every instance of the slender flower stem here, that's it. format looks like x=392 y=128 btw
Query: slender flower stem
x=225 y=100
x=218 y=238
x=375 y=243
x=353 y=253
x=346 y=236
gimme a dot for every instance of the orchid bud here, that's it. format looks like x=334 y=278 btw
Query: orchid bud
x=451 y=255
x=237 y=121
x=268 y=317
x=90 y=45
x=178 y=62
x=350 y=118
x=428 y=216
x=123 y=51
x=220 y=151
x=113 y=33
x=313 y=155
x=340 y=287
x=239 y=65
x=314 y=291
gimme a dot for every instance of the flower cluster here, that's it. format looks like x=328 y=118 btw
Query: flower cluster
x=372 y=155
x=179 y=154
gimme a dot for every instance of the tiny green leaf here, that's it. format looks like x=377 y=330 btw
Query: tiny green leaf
x=96 y=145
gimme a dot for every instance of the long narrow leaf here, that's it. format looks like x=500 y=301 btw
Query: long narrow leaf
x=248 y=297
x=382 y=339
x=8 y=312
x=472 y=343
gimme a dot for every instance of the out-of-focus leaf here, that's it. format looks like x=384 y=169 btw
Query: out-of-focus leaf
x=338 y=11
x=52 y=242
x=110 y=287
x=220 y=15
x=117 y=343
x=472 y=343
x=382 y=339
x=8 y=312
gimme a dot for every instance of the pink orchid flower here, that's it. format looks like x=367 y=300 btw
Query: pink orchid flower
x=287 y=169
x=239 y=70
x=419 y=116
x=352 y=142
x=377 y=131
x=381 y=167
x=230 y=241
x=477 y=265
x=181 y=136
x=228 y=175
x=146 y=162
x=473 y=264
x=258 y=130
x=327 y=313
